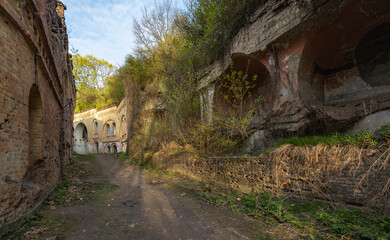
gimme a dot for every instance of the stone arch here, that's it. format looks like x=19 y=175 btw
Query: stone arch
x=97 y=147
x=109 y=149
x=373 y=56
x=254 y=69
x=329 y=69
x=114 y=148
x=81 y=139
x=35 y=167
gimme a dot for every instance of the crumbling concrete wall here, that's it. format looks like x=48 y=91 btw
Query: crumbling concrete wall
x=37 y=96
x=101 y=131
x=326 y=65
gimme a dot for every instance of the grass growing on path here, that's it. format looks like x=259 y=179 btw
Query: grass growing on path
x=73 y=189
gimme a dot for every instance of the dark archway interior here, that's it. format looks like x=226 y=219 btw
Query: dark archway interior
x=344 y=59
x=256 y=73
x=35 y=126
x=373 y=56
x=115 y=149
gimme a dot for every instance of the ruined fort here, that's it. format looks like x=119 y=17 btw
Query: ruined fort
x=101 y=131
x=37 y=94
x=323 y=66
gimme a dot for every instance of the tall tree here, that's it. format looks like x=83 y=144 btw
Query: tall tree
x=91 y=71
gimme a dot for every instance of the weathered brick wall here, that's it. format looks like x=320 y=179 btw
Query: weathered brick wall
x=36 y=90
x=359 y=177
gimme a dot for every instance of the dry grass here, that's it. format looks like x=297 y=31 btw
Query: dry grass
x=316 y=167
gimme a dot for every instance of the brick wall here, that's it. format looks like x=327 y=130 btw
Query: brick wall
x=346 y=175
x=36 y=89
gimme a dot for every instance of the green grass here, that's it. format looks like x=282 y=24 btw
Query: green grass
x=361 y=139
x=37 y=223
x=317 y=220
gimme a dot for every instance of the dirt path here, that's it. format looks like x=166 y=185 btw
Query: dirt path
x=141 y=209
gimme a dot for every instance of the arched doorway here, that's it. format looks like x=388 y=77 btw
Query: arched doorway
x=115 y=149
x=97 y=147
x=81 y=139
x=109 y=149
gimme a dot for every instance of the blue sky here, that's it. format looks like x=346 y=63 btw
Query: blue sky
x=104 y=28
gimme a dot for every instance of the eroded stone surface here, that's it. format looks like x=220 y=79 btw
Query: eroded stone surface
x=326 y=62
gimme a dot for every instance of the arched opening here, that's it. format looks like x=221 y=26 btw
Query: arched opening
x=97 y=147
x=373 y=56
x=109 y=149
x=347 y=59
x=114 y=129
x=35 y=126
x=115 y=150
x=35 y=153
x=108 y=130
x=81 y=139
x=96 y=127
x=245 y=73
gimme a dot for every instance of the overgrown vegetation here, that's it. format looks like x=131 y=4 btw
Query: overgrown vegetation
x=317 y=220
x=97 y=87
x=365 y=139
x=172 y=48
x=313 y=219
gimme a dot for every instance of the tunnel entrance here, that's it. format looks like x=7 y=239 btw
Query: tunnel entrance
x=81 y=139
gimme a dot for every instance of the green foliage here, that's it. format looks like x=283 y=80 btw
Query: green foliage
x=90 y=71
x=96 y=85
x=227 y=129
x=209 y=25
x=355 y=223
x=315 y=218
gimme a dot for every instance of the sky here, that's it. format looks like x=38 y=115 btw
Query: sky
x=104 y=28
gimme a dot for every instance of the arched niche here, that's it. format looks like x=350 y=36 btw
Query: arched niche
x=256 y=71
x=35 y=126
x=330 y=69
x=36 y=164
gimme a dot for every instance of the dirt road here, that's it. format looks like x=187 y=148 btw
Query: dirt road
x=143 y=209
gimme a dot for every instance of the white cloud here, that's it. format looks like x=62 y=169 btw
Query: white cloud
x=103 y=28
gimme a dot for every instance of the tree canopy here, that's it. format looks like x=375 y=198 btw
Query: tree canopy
x=96 y=84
